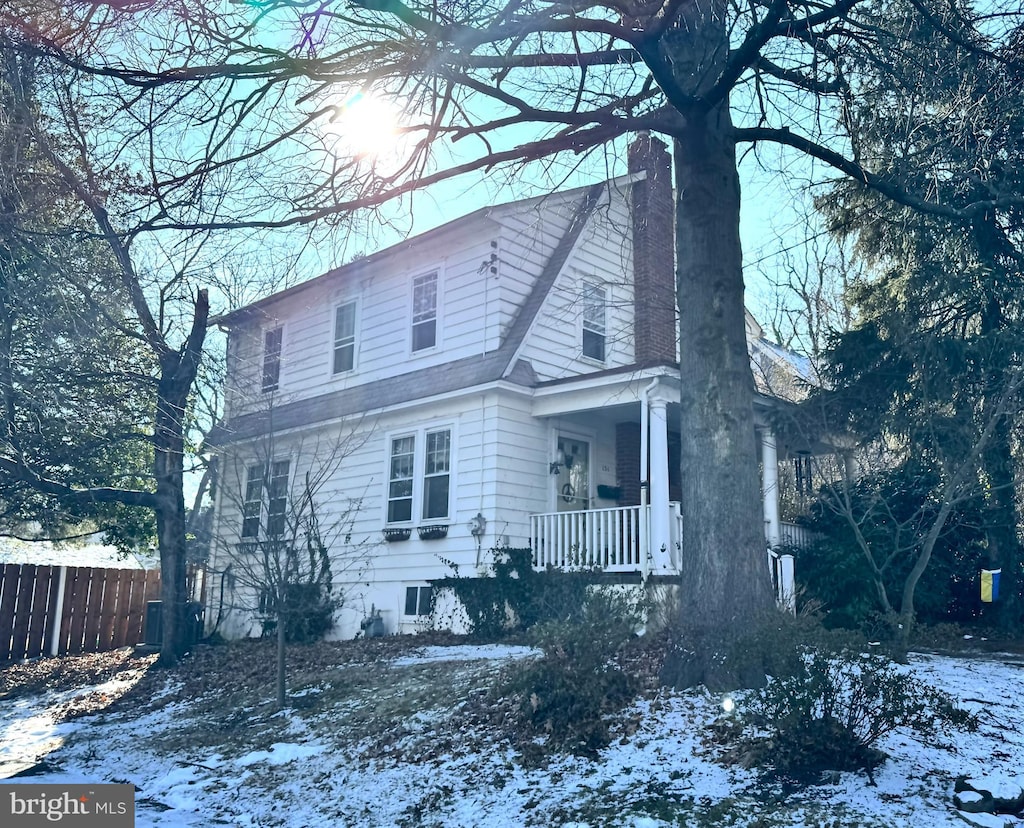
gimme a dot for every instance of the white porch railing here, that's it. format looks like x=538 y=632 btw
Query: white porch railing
x=616 y=540
x=606 y=539
x=612 y=540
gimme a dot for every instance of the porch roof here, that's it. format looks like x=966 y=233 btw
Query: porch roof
x=603 y=389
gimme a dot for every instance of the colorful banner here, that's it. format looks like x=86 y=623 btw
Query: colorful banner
x=990 y=585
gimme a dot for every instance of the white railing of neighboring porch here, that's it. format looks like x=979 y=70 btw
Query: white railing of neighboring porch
x=792 y=535
x=783 y=579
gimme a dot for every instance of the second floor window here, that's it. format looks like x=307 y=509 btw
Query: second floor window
x=272 y=358
x=345 y=338
x=594 y=321
x=424 y=311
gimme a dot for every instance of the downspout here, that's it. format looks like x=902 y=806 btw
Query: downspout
x=645 y=420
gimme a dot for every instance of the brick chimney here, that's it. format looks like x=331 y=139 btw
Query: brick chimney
x=654 y=276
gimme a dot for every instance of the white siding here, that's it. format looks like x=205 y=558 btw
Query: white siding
x=499 y=469
x=602 y=253
x=468 y=304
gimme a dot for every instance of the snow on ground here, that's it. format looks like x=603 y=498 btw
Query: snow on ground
x=467 y=652
x=310 y=765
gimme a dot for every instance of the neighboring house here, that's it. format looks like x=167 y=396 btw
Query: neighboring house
x=89 y=551
x=493 y=382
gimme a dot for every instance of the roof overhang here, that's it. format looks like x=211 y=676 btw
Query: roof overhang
x=603 y=390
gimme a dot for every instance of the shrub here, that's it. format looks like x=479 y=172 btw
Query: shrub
x=515 y=597
x=567 y=693
x=310 y=611
x=830 y=712
x=835 y=571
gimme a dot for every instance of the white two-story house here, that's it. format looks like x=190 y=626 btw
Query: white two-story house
x=499 y=381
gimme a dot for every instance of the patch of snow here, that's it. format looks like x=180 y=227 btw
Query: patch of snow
x=280 y=753
x=999 y=785
x=466 y=652
x=985 y=820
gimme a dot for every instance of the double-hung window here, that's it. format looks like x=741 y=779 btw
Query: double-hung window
x=270 y=480
x=344 y=338
x=437 y=474
x=400 y=486
x=419 y=478
x=424 y=311
x=595 y=323
x=277 y=498
x=272 y=340
x=252 y=505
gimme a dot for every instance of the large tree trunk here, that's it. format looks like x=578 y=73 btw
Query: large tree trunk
x=723 y=543
x=170 y=521
x=177 y=373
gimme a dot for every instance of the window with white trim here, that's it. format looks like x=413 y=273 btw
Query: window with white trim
x=273 y=480
x=400 y=480
x=417 y=600
x=437 y=474
x=252 y=504
x=419 y=476
x=277 y=498
x=424 y=311
x=344 y=338
x=272 y=340
x=595 y=325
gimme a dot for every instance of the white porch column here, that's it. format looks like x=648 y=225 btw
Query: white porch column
x=770 y=488
x=661 y=533
x=851 y=467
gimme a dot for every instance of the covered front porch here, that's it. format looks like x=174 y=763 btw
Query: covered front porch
x=618 y=540
x=615 y=477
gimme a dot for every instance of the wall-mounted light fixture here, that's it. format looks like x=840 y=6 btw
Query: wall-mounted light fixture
x=561 y=459
x=478 y=525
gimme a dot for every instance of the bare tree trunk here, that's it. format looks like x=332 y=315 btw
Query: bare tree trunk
x=177 y=373
x=723 y=538
x=281 y=665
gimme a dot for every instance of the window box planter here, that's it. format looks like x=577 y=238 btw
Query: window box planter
x=432 y=532
x=397 y=533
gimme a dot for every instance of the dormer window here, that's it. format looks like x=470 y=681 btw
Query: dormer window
x=345 y=338
x=595 y=325
x=424 y=312
x=272 y=340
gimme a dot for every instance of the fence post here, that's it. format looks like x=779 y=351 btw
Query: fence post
x=787 y=583
x=58 y=612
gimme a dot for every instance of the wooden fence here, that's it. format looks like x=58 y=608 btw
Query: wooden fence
x=59 y=610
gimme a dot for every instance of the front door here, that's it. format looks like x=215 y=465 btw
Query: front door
x=572 y=491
